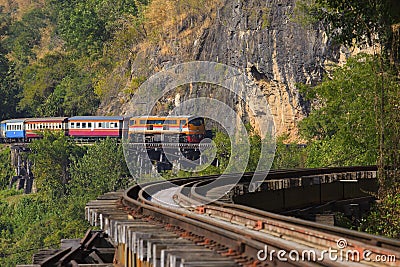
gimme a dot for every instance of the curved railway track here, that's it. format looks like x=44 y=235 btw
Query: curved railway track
x=200 y=232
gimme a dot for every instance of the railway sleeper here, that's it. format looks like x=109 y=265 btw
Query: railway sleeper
x=141 y=241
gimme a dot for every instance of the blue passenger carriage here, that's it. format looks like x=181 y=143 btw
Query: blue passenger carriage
x=15 y=129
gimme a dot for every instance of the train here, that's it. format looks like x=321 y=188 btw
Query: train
x=186 y=129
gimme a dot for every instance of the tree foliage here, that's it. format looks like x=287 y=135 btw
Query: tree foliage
x=384 y=217
x=6 y=170
x=67 y=177
x=342 y=125
x=87 y=25
x=9 y=87
x=289 y=155
x=55 y=86
x=101 y=169
x=24 y=35
x=51 y=157
x=353 y=21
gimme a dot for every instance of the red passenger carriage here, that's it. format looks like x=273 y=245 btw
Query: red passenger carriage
x=95 y=126
x=35 y=126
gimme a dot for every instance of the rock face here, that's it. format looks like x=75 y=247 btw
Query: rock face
x=258 y=37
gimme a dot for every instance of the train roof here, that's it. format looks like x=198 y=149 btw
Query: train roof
x=47 y=119
x=164 y=117
x=13 y=121
x=96 y=118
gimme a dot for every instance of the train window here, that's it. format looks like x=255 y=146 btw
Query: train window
x=142 y=121
x=78 y=125
x=89 y=125
x=83 y=125
x=155 y=122
x=132 y=122
x=170 y=122
x=72 y=125
x=111 y=125
x=197 y=122
x=183 y=122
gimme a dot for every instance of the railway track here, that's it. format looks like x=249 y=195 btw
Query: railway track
x=176 y=224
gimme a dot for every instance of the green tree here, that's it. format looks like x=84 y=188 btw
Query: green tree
x=384 y=217
x=9 y=87
x=24 y=35
x=6 y=170
x=349 y=21
x=289 y=155
x=51 y=157
x=87 y=25
x=55 y=86
x=101 y=169
x=342 y=125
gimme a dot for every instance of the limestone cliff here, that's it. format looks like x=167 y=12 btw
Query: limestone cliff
x=258 y=37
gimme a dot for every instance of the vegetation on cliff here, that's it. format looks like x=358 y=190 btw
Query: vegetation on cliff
x=356 y=120
x=67 y=177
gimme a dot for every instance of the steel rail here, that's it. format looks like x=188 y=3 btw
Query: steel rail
x=241 y=241
x=262 y=218
x=289 y=227
x=250 y=241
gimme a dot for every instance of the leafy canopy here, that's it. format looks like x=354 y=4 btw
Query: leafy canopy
x=342 y=125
